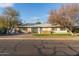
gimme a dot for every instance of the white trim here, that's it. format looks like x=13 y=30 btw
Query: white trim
x=39 y=30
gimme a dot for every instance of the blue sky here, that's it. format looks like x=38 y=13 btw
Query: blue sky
x=30 y=12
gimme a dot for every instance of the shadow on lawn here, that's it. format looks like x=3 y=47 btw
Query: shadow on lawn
x=11 y=34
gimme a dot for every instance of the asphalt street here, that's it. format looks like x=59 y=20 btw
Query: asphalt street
x=39 y=47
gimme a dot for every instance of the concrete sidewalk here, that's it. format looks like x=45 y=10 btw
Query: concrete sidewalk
x=31 y=37
x=54 y=38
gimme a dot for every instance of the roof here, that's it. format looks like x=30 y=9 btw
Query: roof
x=40 y=25
x=44 y=25
x=76 y=25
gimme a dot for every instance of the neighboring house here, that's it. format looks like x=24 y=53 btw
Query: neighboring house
x=44 y=28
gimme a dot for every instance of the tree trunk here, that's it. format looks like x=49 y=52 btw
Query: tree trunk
x=70 y=31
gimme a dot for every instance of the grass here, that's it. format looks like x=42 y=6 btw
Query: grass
x=54 y=34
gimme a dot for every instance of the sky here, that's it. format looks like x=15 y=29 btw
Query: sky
x=30 y=12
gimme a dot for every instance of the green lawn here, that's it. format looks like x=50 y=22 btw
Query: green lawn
x=54 y=34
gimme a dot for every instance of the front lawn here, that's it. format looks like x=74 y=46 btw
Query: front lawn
x=54 y=34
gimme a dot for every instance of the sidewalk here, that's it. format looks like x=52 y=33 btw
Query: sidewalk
x=54 y=38
x=31 y=37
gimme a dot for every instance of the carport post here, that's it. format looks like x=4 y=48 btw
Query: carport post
x=39 y=30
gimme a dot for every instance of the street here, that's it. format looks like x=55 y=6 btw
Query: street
x=39 y=48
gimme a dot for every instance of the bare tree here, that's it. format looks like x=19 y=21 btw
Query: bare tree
x=12 y=17
x=9 y=20
x=66 y=16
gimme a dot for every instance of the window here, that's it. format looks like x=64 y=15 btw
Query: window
x=62 y=29
x=54 y=29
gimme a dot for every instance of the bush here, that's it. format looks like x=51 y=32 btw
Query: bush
x=75 y=30
x=3 y=31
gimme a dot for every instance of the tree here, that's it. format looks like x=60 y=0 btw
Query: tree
x=66 y=16
x=38 y=22
x=9 y=20
x=3 y=24
x=12 y=17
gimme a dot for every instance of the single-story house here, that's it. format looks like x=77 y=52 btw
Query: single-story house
x=44 y=28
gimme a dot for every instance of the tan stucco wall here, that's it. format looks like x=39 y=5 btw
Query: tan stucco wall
x=60 y=31
x=46 y=30
x=29 y=30
x=49 y=30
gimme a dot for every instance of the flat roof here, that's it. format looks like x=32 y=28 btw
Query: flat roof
x=44 y=25
x=40 y=25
